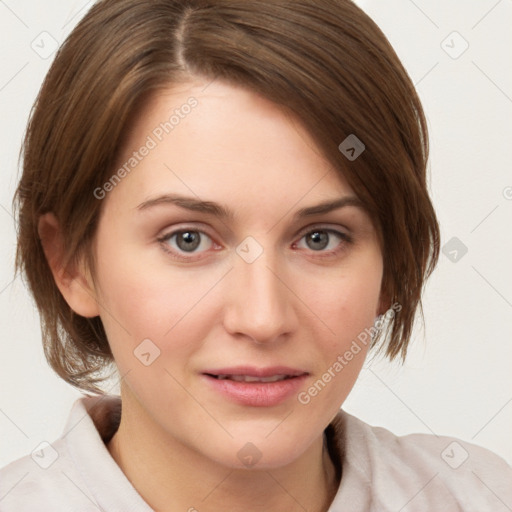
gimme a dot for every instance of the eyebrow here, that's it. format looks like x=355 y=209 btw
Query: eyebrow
x=218 y=210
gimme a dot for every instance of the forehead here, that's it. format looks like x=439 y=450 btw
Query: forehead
x=214 y=140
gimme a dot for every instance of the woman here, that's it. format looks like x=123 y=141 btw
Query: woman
x=258 y=134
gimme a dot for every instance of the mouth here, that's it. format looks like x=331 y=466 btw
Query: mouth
x=251 y=378
x=259 y=387
x=253 y=374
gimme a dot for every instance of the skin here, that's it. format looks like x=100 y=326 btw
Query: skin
x=298 y=304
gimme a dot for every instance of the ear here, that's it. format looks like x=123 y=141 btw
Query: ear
x=74 y=282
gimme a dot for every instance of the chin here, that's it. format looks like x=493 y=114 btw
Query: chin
x=254 y=450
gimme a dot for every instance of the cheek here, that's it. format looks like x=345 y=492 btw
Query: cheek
x=346 y=307
x=141 y=300
x=348 y=302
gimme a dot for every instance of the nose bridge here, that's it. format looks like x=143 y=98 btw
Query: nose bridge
x=260 y=303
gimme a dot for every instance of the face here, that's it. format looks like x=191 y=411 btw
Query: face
x=209 y=265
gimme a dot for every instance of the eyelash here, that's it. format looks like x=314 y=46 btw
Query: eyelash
x=345 y=240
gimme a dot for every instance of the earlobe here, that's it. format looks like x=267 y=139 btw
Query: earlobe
x=74 y=281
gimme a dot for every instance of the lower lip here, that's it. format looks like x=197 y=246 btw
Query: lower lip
x=257 y=394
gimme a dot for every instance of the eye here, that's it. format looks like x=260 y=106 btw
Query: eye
x=324 y=240
x=185 y=241
x=187 y=244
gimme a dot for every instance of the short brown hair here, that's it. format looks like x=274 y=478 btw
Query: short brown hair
x=323 y=60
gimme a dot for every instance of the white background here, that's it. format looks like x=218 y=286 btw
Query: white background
x=457 y=380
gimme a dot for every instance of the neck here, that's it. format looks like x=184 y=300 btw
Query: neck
x=173 y=477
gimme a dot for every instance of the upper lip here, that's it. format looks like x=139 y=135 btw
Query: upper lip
x=252 y=371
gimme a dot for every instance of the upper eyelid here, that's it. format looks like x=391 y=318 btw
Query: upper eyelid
x=321 y=227
x=306 y=229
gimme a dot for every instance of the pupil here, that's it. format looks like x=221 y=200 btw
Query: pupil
x=321 y=238
x=190 y=240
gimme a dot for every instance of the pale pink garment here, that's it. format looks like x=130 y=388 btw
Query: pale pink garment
x=381 y=472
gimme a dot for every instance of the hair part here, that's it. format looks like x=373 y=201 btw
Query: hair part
x=326 y=62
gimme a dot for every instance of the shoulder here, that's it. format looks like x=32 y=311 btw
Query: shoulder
x=47 y=477
x=61 y=476
x=424 y=470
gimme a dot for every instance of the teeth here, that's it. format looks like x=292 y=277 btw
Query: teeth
x=248 y=378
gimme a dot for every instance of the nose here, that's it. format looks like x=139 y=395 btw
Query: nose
x=259 y=305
